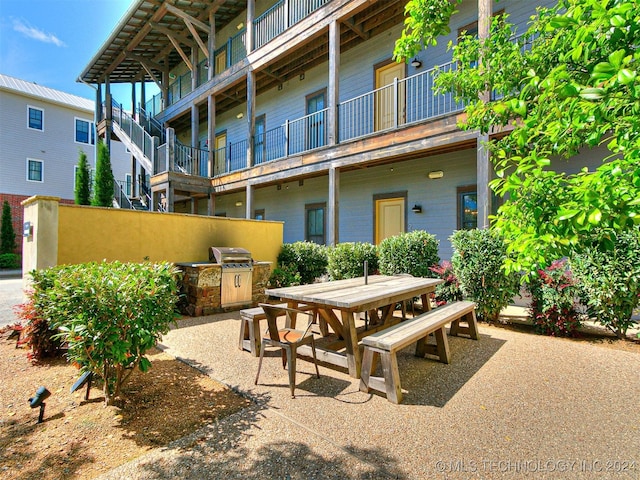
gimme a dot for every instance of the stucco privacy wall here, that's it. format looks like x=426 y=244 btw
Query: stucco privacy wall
x=84 y=234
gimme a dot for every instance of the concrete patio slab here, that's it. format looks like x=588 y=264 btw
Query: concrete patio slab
x=511 y=405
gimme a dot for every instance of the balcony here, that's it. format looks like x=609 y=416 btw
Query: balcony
x=277 y=19
x=405 y=102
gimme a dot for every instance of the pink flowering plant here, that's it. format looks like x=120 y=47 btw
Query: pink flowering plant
x=449 y=291
x=553 y=301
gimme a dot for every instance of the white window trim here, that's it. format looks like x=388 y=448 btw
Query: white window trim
x=41 y=110
x=41 y=170
x=91 y=128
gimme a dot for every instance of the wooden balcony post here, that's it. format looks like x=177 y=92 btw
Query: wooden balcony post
x=195 y=128
x=211 y=131
x=211 y=45
x=251 y=7
x=251 y=115
x=334 y=75
x=109 y=112
x=249 y=202
x=333 y=206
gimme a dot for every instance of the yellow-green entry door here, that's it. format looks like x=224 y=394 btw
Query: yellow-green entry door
x=389 y=221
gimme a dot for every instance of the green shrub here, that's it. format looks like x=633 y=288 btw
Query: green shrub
x=309 y=259
x=478 y=258
x=411 y=253
x=449 y=291
x=553 y=301
x=108 y=314
x=7 y=234
x=609 y=281
x=36 y=333
x=346 y=260
x=10 y=260
x=284 y=276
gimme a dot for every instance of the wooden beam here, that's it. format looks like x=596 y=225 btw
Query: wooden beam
x=147 y=62
x=350 y=24
x=197 y=38
x=188 y=18
x=184 y=56
x=171 y=33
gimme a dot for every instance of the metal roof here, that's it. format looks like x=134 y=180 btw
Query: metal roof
x=34 y=90
x=139 y=44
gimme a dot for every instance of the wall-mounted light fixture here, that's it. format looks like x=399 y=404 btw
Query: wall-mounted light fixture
x=279 y=187
x=436 y=174
x=417 y=208
x=240 y=26
x=301 y=182
x=279 y=86
x=239 y=203
x=240 y=115
x=206 y=65
x=415 y=63
x=302 y=76
x=172 y=76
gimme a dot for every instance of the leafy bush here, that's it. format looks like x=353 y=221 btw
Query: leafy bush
x=411 y=253
x=449 y=291
x=36 y=334
x=307 y=258
x=346 y=260
x=609 y=280
x=478 y=258
x=108 y=314
x=553 y=301
x=9 y=260
x=284 y=276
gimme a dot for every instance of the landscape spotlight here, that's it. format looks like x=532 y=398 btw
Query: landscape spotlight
x=38 y=401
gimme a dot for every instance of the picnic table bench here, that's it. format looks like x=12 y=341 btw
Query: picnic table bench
x=386 y=343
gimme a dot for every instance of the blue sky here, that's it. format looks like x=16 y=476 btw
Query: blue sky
x=50 y=42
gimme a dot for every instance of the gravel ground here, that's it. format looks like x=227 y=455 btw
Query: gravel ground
x=511 y=405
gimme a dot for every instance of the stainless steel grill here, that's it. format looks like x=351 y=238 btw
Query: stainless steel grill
x=237 y=271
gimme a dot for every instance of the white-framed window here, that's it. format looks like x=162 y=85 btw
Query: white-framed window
x=35 y=118
x=35 y=170
x=84 y=131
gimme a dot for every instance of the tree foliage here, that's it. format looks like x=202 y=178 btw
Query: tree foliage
x=83 y=183
x=568 y=84
x=103 y=190
x=7 y=235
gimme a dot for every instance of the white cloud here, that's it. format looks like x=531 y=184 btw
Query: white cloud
x=36 y=34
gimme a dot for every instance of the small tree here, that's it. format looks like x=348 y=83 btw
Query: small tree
x=83 y=189
x=8 y=243
x=103 y=193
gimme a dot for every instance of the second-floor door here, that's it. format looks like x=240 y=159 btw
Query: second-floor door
x=259 y=142
x=220 y=154
x=389 y=108
x=315 y=120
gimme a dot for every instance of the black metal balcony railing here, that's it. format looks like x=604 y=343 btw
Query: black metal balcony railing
x=266 y=27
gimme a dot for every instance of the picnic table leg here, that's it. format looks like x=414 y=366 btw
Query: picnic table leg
x=354 y=361
x=426 y=304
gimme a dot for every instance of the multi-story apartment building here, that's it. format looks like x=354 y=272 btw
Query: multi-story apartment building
x=42 y=131
x=294 y=110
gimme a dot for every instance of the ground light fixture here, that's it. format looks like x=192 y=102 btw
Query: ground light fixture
x=38 y=401
x=85 y=379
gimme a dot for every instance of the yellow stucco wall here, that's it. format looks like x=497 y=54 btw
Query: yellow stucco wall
x=94 y=234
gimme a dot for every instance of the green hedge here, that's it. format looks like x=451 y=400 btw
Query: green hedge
x=308 y=259
x=413 y=253
x=346 y=260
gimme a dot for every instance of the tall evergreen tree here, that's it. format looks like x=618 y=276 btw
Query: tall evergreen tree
x=7 y=234
x=103 y=190
x=82 y=191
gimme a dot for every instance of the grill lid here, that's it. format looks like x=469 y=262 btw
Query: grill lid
x=227 y=255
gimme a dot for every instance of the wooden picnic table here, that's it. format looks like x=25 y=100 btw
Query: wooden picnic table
x=351 y=297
